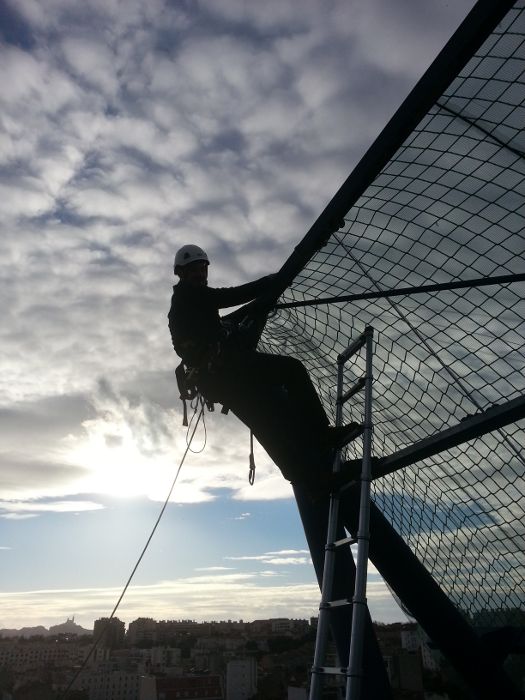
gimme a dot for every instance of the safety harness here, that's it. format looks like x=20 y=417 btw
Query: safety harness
x=188 y=390
x=244 y=332
x=187 y=384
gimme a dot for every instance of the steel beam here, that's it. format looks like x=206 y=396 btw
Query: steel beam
x=421 y=595
x=468 y=429
x=469 y=36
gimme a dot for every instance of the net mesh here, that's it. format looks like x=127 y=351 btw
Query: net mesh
x=448 y=206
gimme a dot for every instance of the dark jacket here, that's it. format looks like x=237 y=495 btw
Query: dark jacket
x=195 y=325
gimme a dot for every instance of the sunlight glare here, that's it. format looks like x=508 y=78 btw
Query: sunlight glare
x=118 y=465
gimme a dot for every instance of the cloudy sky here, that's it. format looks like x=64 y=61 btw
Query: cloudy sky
x=128 y=129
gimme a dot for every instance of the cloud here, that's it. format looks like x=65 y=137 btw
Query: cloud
x=289 y=551
x=92 y=61
x=209 y=597
x=33 y=464
x=126 y=131
x=122 y=444
x=278 y=561
x=296 y=557
x=17 y=509
x=119 y=145
x=286 y=557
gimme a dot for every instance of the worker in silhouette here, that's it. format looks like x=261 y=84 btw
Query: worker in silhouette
x=272 y=394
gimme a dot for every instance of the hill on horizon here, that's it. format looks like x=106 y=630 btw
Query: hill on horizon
x=67 y=627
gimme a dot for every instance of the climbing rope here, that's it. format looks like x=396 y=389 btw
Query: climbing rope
x=198 y=401
x=97 y=640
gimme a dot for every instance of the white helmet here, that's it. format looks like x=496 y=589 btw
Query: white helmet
x=188 y=254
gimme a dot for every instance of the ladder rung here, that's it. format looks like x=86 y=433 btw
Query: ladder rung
x=330 y=670
x=352 y=349
x=353 y=390
x=342 y=542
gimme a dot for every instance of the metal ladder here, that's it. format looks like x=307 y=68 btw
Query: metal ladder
x=353 y=672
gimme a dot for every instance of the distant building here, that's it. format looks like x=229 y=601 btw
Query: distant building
x=109 y=633
x=410 y=639
x=165 y=660
x=279 y=627
x=285 y=627
x=405 y=672
x=142 y=631
x=222 y=643
x=241 y=679
x=229 y=627
x=192 y=687
x=413 y=639
x=23 y=657
x=297 y=693
x=110 y=681
x=168 y=629
x=431 y=659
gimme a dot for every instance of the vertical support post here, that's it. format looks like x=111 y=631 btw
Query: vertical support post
x=359 y=607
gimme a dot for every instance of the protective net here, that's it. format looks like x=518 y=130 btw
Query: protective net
x=448 y=206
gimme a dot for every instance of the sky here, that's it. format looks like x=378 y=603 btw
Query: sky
x=127 y=130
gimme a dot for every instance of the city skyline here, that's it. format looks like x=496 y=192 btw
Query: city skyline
x=70 y=628
x=129 y=130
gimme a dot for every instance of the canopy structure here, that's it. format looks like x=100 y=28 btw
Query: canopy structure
x=438 y=200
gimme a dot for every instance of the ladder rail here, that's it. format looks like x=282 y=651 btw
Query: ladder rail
x=353 y=671
x=359 y=607
x=323 y=623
